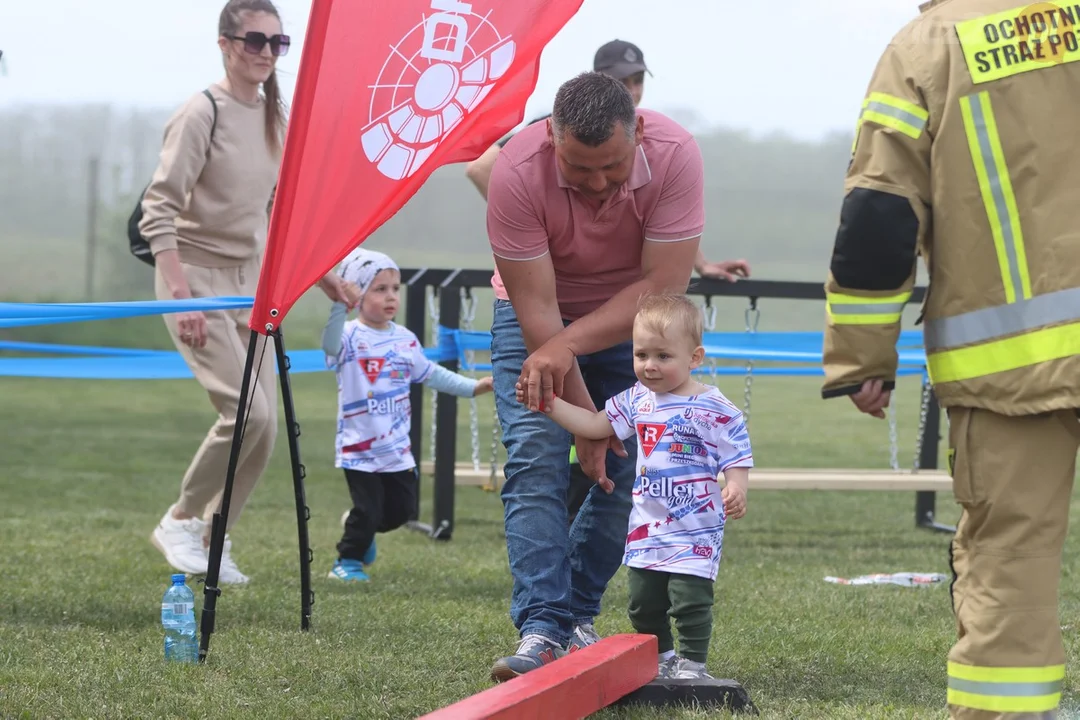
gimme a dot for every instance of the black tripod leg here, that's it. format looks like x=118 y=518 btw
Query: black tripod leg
x=217 y=527
x=303 y=513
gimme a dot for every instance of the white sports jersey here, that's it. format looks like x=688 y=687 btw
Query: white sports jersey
x=684 y=443
x=374 y=371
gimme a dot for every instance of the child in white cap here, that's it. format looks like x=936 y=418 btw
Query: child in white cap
x=376 y=360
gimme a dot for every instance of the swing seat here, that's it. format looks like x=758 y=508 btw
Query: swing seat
x=774 y=478
x=849 y=479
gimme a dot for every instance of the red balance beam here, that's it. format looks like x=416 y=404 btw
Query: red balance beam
x=570 y=688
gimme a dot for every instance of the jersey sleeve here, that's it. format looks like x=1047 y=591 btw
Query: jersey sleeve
x=680 y=211
x=733 y=444
x=514 y=229
x=620 y=413
x=884 y=219
x=422 y=367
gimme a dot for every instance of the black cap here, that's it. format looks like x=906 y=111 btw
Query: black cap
x=620 y=59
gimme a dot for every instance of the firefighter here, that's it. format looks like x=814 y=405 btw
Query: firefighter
x=966 y=155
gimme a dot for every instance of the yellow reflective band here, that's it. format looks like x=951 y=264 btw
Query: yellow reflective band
x=1006 y=689
x=1029 y=37
x=997 y=193
x=854 y=310
x=1002 y=355
x=893 y=112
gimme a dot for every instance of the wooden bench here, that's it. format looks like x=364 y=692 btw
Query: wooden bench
x=934 y=480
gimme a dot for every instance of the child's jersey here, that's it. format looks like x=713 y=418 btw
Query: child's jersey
x=374 y=370
x=684 y=442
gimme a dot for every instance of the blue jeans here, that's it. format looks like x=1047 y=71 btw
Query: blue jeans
x=559 y=574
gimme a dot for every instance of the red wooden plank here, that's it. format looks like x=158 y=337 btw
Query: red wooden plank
x=570 y=688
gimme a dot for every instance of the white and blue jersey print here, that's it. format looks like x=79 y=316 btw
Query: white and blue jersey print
x=374 y=371
x=684 y=443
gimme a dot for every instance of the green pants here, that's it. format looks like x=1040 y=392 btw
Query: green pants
x=687 y=599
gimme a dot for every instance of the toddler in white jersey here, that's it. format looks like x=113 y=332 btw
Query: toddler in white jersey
x=376 y=360
x=687 y=434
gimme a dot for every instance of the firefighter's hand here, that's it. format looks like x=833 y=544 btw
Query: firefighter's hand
x=872 y=399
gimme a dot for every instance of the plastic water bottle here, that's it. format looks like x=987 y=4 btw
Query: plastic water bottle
x=178 y=619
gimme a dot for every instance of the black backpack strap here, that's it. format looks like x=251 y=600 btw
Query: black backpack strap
x=213 y=124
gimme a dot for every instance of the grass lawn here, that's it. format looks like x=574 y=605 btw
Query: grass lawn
x=89 y=467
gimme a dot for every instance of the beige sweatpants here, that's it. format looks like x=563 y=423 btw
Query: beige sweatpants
x=219 y=368
x=1013 y=477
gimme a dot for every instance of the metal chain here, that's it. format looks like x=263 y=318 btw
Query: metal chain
x=468 y=313
x=924 y=411
x=433 y=312
x=708 y=318
x=752 y=316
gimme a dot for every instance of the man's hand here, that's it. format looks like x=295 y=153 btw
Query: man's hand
x=592 y=456
x=334 y=287
x=730 y=270
x=872 y=399
x=543 y=372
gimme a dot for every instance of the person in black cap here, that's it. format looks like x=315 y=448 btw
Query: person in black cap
x=618 y=58
x=623 y=61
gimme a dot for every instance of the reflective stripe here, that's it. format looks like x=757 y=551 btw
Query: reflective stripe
x=997 y=193
x=892 y=112
x=895 y=113
x=1001 y=355
x=853 y=310
x=997 y=689
x=997 y=322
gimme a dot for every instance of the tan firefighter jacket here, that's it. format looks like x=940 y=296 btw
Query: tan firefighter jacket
x=967 y=152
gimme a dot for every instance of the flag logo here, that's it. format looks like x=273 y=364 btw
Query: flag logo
x=432 y=78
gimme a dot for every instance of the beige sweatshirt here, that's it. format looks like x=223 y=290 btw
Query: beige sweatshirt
x=212 y=208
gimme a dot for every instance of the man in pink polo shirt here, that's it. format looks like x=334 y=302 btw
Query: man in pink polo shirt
x=586 y=212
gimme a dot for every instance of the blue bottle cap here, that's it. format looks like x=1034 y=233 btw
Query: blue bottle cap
x=179 y=578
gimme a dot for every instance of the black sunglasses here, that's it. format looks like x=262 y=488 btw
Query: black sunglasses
x=254 y=42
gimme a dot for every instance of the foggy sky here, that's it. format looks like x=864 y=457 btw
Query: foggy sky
x=797 y=66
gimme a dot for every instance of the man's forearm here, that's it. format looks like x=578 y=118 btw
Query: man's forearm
x=539 y=332
x=612 y=322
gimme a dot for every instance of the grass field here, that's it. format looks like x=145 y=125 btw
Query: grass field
x=89 y=467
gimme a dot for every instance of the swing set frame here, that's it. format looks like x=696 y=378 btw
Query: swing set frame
x=445 y=296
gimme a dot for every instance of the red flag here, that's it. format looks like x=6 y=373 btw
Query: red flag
x=386 y=93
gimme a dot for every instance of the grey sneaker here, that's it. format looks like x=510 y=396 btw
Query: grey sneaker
x=664 y=667
x=583 y=636
x=534 y=651
x=679 y=668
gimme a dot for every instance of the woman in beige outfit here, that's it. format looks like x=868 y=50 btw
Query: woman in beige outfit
x=205 y=216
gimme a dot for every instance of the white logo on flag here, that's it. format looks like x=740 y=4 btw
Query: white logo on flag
x=432 y=78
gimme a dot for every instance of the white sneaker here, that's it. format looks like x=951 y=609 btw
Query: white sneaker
x=180 y=541
x=228 y=573
x=682 y=669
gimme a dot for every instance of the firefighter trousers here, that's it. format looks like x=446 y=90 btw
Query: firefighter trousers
x=1013 y=478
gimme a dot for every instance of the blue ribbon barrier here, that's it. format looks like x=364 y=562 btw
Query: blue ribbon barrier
x=107 y=363
x=26 y=314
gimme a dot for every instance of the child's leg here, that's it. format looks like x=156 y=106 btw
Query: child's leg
x=649 y=605
x=399 y=498
x=366 y=491
x=691 y=608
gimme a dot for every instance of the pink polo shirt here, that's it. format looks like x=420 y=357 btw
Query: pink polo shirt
x=596 y=252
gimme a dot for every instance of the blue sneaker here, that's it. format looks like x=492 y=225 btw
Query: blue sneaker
x=348 y=571
x=533 y=652
x=369 y=556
